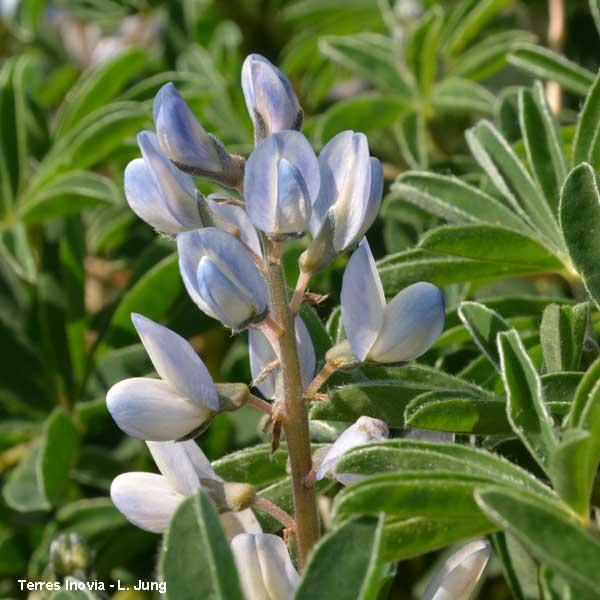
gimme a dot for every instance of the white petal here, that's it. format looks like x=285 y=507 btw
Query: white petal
x=177 y=362
x=242 y=521
x=265 y=568
x=145 y=200
x=459 y=575
x=375 y=195
x=365 y=430
x=238 y=217
x=412 y=322
x=363 y=301
x=145 y=499
x=182 y=463
x=150 y=409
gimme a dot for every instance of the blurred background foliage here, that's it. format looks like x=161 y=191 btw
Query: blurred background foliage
x=77 y=79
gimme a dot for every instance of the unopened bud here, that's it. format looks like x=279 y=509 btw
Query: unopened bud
x=232 y=395
x=69 y=555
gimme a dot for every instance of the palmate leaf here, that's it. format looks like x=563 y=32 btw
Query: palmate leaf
x=422 y=49
x=456 y=95
x=346 y=564
x=586 y=143
x=411 y=133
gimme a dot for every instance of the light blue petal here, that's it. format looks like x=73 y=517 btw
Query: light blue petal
x=293 y=206
x=180 y=134
x=232 y=306
x=177 y=362
x=238 y=217
x=177 y=188
x=412 y=322
x=145 y=199
x=374 y=202
x=151 y=409
x=363 y=301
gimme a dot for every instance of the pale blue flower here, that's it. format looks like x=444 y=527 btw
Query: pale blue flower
x=188 y=145
x=281 y=183
x=262 y=354
x=158 y=192
x=221 y=277
x=401 y=331
x=350 y=191
x=169 y=408
x=270 y=97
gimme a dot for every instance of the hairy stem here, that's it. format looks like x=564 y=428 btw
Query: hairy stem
x=296 y=413
x=277 y=513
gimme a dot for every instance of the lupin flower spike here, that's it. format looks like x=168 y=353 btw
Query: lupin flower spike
x=281 y=183
x=270 y=98
x=158 y=192
x=264 y=566
x=348 y=201
x=221 y=277
x=262 y=355
x=149 y=500
x=363 y=431
x=457 y=578
x=187 y=144
x=398 y=332
x=170 y=408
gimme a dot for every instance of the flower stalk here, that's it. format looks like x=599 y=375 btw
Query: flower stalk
x=296 y=421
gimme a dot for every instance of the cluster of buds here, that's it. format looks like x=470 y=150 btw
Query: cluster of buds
x=283 y=190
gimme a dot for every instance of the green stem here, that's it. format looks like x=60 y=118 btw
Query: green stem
x=296 y=412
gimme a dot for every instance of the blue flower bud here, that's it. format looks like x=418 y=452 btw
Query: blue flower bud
x=348 y=201
x=158 y=192
x=281 y=183
x=221 y=277
x=188 y=145
x=270 y=98
x=401 y=331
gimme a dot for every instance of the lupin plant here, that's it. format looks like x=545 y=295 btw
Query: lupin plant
x=230 y=248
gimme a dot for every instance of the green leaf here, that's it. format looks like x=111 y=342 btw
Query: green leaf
x=483 y=324
x=386 y=395
x=436 y=495
x=491 y=243
x=195 y=560
x=98 y=86
x=452 y=199
x=253 y=465
x=357 y=576
x=407 y=538
x=580 y=219
x=422 y=49
x=468 y=19
x=152 y=295
x=38 y=482
x=512 y=180
x=411 y=134
x=582 y=395
x=488 y=56
x=561 y=334
x=552 y=535
x=369 y=55
x=449 y=411
x=569 y=470
x=595 y=10
x=519 y=569
x=586 y=143
x=526 y=410
x=457 y=96
x=370 y=111
x=418 y=456
x=546 y=64
x=542 y=144
x=404 y=268
x=68 y=194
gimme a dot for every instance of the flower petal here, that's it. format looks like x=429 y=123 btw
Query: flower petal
x=363 y=431
x=412 y=322
x=177 y=362
x=459 y=575
x=363 y=301
x=145 y=499
x=150 y=409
